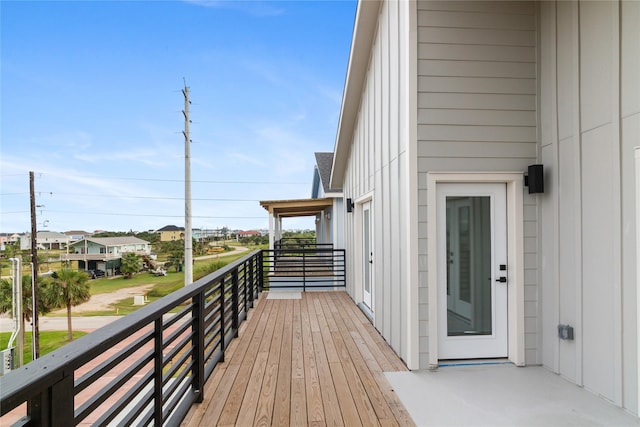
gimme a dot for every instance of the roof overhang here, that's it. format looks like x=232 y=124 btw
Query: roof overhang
x=297 y=207
x=364 y=31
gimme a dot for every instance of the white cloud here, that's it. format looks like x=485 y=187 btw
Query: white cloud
x=255 y=8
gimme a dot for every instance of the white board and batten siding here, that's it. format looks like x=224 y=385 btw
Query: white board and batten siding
x=379 y=170
x=477 y=112
x=590 y=123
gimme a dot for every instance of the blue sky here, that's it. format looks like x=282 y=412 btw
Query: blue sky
x=91 y=102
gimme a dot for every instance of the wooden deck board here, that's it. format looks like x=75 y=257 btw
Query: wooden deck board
x=313 y=361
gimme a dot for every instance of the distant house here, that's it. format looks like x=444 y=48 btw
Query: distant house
x=8 y=238
x=325 y=204
x=104 y=253
x=45 y=240
x=170 y=233
x=75 y=235
x=250 y=233
x=329 y=222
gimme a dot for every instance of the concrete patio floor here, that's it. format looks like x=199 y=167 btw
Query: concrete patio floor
x=501 y=395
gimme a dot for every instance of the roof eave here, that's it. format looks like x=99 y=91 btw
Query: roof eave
x=363 y=34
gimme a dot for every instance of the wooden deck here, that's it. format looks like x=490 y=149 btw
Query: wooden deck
x=313 y=361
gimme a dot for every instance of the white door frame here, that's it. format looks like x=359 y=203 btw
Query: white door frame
x=358 y=275
x=366 y=258
x=515 y=253
x=473 y=345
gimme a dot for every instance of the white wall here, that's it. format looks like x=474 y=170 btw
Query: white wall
x=590 y=122
x=379 y=168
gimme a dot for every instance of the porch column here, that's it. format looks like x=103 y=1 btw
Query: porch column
x=271 y=230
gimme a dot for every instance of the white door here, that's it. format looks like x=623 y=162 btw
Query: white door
x=367 y=256
x=472 y=270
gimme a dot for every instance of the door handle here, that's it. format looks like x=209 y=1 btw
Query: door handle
x=501 y=279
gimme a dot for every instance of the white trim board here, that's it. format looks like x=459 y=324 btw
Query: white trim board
x=515 y=253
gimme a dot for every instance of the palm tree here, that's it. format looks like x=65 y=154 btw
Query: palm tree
x=130 y=264
x=67 y=288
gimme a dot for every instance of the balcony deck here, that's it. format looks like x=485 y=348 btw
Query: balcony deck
x=310 y=361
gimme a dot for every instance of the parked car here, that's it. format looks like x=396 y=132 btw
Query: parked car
x=96 y=273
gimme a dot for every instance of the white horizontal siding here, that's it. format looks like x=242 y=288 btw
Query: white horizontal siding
x=495 y=20
x=463 y=68
x=478 y=101
x=451 y=116
x=515 y=8
x=477 y=36
x=476 y=52
x=472 y=85
x=477 y=91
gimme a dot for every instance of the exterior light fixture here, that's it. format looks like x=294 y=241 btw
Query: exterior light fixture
x=349 y=206
x=535 y=179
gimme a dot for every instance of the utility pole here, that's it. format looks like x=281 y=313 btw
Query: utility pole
x=34 y=278
x=188 y=241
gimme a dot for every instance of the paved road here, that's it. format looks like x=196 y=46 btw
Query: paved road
x=60 y=323
x=88 y=323
x=237 y=250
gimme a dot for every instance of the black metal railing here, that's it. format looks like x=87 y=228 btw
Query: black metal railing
x=149 y=367
x=290 y=243
x=304 y=268
x=146 y=368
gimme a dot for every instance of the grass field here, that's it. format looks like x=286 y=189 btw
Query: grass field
x=163 y=285
x=49 y=341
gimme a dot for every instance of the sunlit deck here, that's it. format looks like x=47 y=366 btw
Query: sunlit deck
x=310 y=361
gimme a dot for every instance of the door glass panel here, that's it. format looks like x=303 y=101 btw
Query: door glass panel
x=469 y=283
x=366 y=251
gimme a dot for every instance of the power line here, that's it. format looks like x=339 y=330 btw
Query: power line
x=147 y=197
x=13 y=212
x=155 y=216
x=182 y=180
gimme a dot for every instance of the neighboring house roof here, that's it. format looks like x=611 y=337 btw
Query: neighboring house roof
x=249 y=233
x=324 y=164
x=113 y=241
x=77 y=233
x=51 y=235
x=170 y=228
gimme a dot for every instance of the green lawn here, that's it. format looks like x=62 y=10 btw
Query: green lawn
x=49 y=341
x=163 y=285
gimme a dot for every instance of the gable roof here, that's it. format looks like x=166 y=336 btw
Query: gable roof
x=51 y=235
x=170 y=228
x=112 y=241
x=324 y=162
x=77 y=233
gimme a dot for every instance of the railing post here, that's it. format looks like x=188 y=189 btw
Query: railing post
x=235 y=301
x=157 y=372
x=246 y=290
x=261 y=271
x=55 y=405
x=249 y=283
x=197 y=345
x=222 y=334
x=304 y=270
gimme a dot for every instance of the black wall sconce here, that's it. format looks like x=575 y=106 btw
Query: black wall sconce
x=535 y=179
x=349 y=206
